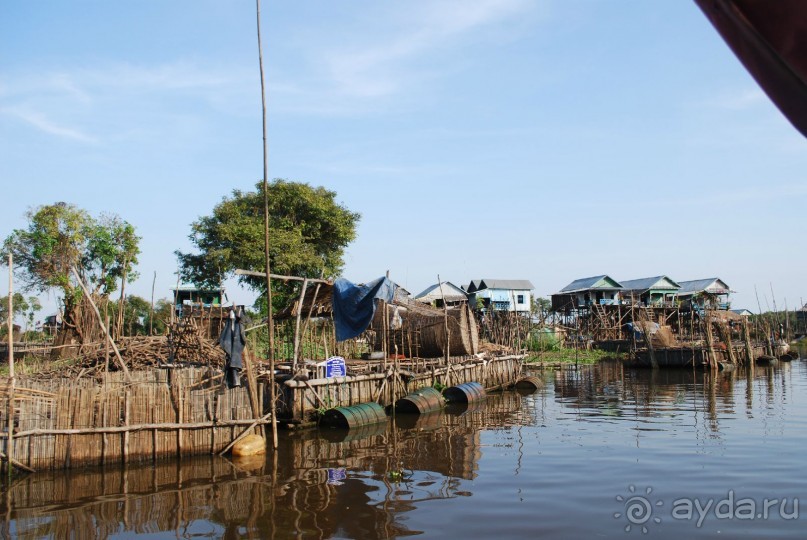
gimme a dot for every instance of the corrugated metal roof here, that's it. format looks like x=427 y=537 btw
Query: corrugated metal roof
x=645 y=284
x=699 y=285
x=583 y=284
x=450 y=293
x=506 y=284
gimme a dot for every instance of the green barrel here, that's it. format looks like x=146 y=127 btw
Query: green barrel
x=357 y=415
x=426 y=399
x=469 y=392
x=338 y=435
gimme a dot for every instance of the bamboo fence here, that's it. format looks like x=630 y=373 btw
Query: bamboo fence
x=161 y=413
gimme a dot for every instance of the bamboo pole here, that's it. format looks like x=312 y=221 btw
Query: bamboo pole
x=244 y=433
x=11 y=378
x=103 y=327
x=240 y=272
x=269 y=320
x=296 y=356
x=151 y=310
x=130 y=428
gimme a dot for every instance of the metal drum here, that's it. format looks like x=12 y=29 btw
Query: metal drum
x=530 y=383
x=465 y=393
x=337 y=435
x=357 y=415
x=420 y=401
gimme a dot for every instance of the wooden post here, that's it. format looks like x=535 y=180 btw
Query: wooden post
x=445 y=320
x=749 y=350
x=11 y=378
x=10 y=316
x=103 y=327
x=151 y=311
x=296 y=357
x=269 y=321
x=121 y=307
x=106 y=354
x=707 y=333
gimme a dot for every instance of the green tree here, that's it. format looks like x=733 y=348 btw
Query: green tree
x=540 y=307
x=308 y=233
x=62 y=236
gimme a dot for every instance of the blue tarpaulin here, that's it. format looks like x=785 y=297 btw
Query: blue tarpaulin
x=354 y=305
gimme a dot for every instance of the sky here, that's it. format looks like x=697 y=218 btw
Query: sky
x=512 y=139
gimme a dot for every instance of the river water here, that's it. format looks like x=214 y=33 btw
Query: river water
x=598 y=452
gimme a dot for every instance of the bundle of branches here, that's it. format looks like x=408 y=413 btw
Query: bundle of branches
x=138 y=353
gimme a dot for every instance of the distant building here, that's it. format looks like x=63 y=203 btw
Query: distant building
x=699 y=294
x=189 y=296
x=742 y=312
x=652 y=291
x=443 y=293
x=584 y=292
x=501 y=294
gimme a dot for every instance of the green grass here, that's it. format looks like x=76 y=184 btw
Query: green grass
x=570 y=356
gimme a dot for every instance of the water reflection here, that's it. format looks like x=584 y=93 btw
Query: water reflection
x=548 y=463
x=331 y=483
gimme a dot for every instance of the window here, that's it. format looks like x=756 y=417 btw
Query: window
x=520 y=298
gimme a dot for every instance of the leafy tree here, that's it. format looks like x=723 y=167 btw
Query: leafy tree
x=62 y=236
x=540 y=307
x=308 y=233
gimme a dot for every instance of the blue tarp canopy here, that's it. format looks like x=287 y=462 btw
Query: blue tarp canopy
x=354 y=305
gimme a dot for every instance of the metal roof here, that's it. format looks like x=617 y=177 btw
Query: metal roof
x=645 y=284
x=450 y=293
x=583 y=284
x=700 y=285
x=506 y=284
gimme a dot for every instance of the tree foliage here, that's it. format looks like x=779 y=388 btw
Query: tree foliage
x=308 y=233
x=62 y=236
x=137 y=316
x=27 y=307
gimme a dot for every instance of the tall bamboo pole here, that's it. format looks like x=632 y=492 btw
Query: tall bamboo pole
x=151 y=311
x=11 y=379
x=269 y=321
x=296 y=358
x=10 y=315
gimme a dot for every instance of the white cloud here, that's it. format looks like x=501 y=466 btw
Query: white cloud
x=384 y=62
x=41 y=122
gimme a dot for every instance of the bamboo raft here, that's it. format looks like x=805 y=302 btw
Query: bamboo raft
x=168 y=412
x=302 y=400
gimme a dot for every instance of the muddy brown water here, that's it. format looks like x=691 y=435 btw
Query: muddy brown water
x=597 y=452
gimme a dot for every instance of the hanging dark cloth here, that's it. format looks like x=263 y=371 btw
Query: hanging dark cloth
x=233 y=340
x=354 y=305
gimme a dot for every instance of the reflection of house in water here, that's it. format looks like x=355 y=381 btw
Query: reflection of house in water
x=608 y=389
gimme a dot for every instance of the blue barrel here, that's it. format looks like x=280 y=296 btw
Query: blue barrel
x=420 y=401
x=357 y=415
x=465 y=393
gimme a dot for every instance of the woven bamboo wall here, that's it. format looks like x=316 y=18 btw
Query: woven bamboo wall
x=185 y=415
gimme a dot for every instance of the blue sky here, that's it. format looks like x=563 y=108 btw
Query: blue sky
x=517 y=139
